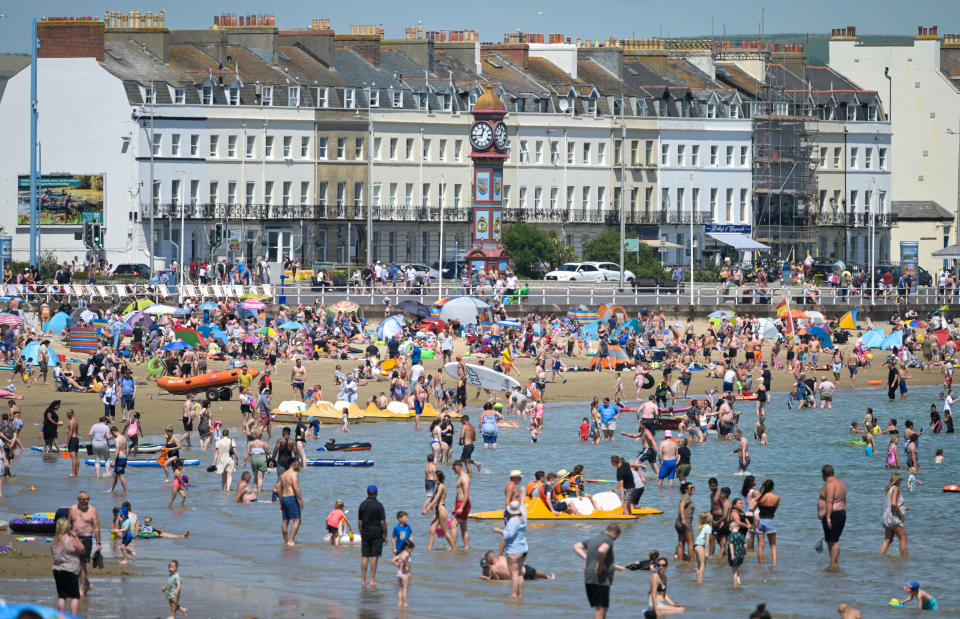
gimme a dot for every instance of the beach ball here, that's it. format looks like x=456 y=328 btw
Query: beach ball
x=869 y=355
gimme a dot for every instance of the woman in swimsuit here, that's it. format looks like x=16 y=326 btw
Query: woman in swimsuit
x=446 y=438
x=765 y=506
x=170 y=454
x=658 y=599
x=300 y=432
x=245 y=493
x=179 y=484
x=257 y=455
x=893 y=458
x=440 y=514
x=435 y=442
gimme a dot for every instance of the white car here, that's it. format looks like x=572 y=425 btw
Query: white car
x=576 y=272
x=611 y=272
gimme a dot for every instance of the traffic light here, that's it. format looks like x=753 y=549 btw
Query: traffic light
x=88 y=234
x=213 y=238
x=218 y=230
x=97 y=237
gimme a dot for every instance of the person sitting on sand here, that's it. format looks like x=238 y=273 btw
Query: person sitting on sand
x=495 y=568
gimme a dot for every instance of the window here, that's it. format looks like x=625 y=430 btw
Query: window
x=538 y=151
x=729 y=156
x=409 y=149
x=713 y=203
x=341 y=148
x=664 y=199
x=446 y=101
x=408 y=194
x=393 y=148
x=322 y=193
x=398 y=98
x=881 y=201
x=426 y=149
x=232 y=146
x=174 y=145
x=521 y=104
x=232 y=192
x=553 y=198
x=634 y=195
x=711 y=110
x=422 y=100
x=248 y=196
x=206 y=95
x=602 y=153
x=695 y=155
x=234 y=96
x=729 y=208
x=872 y=112
x=323 y=97
x=377 y=143
x=523 y=197
x=288 y=147
x=393 y=194
x=268 y=148
x=214 y=191
x=156 y=193
x=349 y=97
x=293 y=96
x=634 y=152
x=648 y=199
x=617 y=151
x=586 y=153
x=601 y=196
x=585 y=198
x=851 y=111
x=150 y=95
x=524 y=154
x=853 y=157
x=868 y=158
x=685 y=108
x=867 y=201
x=458 y=195
x=358 y=148
x=679 y=199
x=341 y=193
x=458 y=150
x=179 y=96
x=852 y=206
x=214 y=145
x=836 y=157
x=305 y=147
x=266 y=95
x=681 y=155
x=743 y=156
x=251 y=146
x=714 y=155
x=285 y=196
x=304 y=193
x=695 y=199
x=194 y=145
x=734 y=110
x=157 y=141
x=571 y=152
x=374 y=98
x=743 y=205
x=590 y=106
x=268 y=193
x=823 y=156
x=442 y=150
x=882 y=158
x=537 y=198
x=664 y=154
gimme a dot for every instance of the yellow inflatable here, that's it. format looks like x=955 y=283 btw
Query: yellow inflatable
x=609 y=503
x=331 y=413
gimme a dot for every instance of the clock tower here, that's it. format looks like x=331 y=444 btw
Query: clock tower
x=490 y=142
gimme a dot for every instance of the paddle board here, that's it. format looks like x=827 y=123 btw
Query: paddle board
x=339 y=462
x=484 y=378
x=144 y=448
x=154 y=463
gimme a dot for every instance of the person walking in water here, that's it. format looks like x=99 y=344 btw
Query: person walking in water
x=291 y=501
x=893 y=515
x=832 y=511
x=373 y=532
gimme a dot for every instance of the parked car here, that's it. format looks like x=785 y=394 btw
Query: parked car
x=611 y=272
x=421 y=269
x=577 y=272
x=132 y=270
x=452 y=268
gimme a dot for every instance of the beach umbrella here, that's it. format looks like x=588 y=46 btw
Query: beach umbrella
x=255 y=297
x=88 y=316
x=209 y=305
x=413 y=307
x=138 y=317
x=768 y=329
x=389 y=327
x=190 y=336
x=245 y=313
x=253 y=304
x=840 y=264
x=178 y=345
x=139 y=304
x=252 y=339
x=822 y=335
x=347 y=307
x=11 y=320
x=440 y=302
x=118 y=326
x=795 y=314
x=721 y=314
x=465 y=310
x=268 y=331
x=292 y=325
x=158 y=309
x=509 y=323
x=58 y=323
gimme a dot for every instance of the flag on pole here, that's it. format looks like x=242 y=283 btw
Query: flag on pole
x=784 y=310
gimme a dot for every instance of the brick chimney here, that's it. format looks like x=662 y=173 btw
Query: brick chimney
x=516 y=52
x=364 y=41
x=70 y=37
x=318 y=39
x=146 y=29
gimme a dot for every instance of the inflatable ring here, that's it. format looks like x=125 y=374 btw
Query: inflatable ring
x=426 y=354
x=155 y=366
x=648 y=381
x=874 y=382
x=951 y=488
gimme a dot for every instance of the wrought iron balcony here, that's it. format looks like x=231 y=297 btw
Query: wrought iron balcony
x=856 y=220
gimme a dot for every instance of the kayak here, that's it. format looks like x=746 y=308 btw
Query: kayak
x=680 y=409
x=144 y=448
x=339 y=462
x=355 y=446
x=40 y=522
x=746 y=397
x=609 y=503
x=153 y=463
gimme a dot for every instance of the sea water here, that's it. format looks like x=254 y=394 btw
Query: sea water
x=234 y=563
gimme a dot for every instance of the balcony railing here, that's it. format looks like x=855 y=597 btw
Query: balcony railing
x=856 y=220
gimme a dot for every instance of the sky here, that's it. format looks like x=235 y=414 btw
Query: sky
x=493 y=18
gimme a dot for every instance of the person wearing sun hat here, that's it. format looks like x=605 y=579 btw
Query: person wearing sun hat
x=925 y=601
x=514 y=543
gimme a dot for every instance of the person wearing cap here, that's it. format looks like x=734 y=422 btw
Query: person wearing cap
x=925 y=601
x=514 y=545
x=373 y=531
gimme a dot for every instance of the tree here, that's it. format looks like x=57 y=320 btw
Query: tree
x=605 y=247
x=529 y=248
x=560 y=252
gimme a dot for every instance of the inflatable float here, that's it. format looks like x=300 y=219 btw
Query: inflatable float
x=330 y=413
x=144 y=463
x=680 y=409
x=874 y=383
x=339 y=462
x=144 y=448
x=608 y=502
x=948 y=488
x=357 y=446
x=42 y=523
x=214 y=384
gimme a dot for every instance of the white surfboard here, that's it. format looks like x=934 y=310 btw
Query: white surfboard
x=484 y=378
x=607 y=500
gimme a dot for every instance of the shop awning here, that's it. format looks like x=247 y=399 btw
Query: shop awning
x=947 y=252
x=739 y=241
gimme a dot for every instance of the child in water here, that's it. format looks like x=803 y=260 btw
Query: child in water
x=870 y=445
x=912 y=481
x=179 y=484
x=335 y=519
x=584 y=430
x=403 y=562
x=939 y=457
x=925 y=601
x=736 y=551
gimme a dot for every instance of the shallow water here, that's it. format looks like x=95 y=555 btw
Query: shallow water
x=234 y=564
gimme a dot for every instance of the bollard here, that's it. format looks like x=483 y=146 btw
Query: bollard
x=568 y=294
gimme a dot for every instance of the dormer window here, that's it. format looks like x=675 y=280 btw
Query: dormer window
x=293 y=96
x=374 y=98
x=266 y=95
x=851 y=111
x=206 y=97
x=662 y=107
x=397 y=98
x=149 y=95
x=521 y=104
x=617 y=106
x=734 y=111
x=179 y=96
x=711 y=110
x=473 y=100
x=446 y=101
x=872 y=112
x=349 y=97
x=590 y=106
x=233 y=95
x=685 y=108
x=543 y=105
x=641 y=108
x=322 y=96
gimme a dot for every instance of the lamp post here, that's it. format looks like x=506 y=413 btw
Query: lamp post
x=369 y=176
x=440 y=261
x=183 y=232
x=623 y=171
x=693 y=242
x=872 y=223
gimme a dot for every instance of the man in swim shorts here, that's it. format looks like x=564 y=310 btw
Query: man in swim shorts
x=120 y=446
x=831 y=509
x=461 y=511
x=291 y=501
x=468 y=436
x=298 y=377
x=496 y=568
x=668 y=459
x=742 y=451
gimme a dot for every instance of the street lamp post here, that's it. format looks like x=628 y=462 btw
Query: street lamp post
x=623 y=219
x=440 y=261
x=369 y=177
x=693 y=242
x=872 y=223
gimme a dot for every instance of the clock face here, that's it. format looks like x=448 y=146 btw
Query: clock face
x=481 y=135
x=500 y=138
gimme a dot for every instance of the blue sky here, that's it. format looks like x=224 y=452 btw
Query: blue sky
x=492 y=18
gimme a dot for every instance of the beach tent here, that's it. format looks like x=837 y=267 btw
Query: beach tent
x=581 y=315
x=413 y=307
x=31 y=351
x=894 y=340
x=590 y=329
x=58 y=323
x=768 y=329
x=390 y=326
x=615 y=360
x=631 y=326
x=873 y=338
x=848 y=320
x=465 y=310
x=822 y=335
x=604 y=313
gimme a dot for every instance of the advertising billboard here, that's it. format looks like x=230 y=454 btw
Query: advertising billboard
x=909 y=255
x=64 y=199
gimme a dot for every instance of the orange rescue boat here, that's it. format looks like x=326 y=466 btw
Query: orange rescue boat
x=215 y=384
